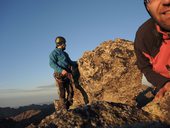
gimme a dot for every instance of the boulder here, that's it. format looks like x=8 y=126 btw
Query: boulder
x=109 y=73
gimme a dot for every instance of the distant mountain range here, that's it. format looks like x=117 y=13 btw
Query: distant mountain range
x=6 y=112
x=23 y=116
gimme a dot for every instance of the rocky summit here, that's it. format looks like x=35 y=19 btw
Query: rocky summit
x=102 y=114
x=107 y=93
x=109 y=73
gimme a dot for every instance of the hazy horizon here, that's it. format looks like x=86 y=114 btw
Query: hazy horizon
x=18 y=97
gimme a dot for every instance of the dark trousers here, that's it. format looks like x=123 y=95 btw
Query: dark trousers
x=65 y=90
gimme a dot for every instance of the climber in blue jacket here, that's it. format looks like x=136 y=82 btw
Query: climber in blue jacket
x=62 y=65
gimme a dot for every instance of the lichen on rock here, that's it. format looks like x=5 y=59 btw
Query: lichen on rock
x=110 y=73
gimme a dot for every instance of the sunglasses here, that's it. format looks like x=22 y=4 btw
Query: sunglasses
x=61 y=43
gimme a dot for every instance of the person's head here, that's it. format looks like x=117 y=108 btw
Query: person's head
x=160 y=12
x=60 y=42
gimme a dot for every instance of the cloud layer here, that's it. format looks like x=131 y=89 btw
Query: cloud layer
x=20 y=97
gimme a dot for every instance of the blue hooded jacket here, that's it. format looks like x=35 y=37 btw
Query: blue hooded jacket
x=60 y=60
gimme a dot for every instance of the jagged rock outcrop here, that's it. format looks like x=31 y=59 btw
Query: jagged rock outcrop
x=102 y=114
x=110 y=73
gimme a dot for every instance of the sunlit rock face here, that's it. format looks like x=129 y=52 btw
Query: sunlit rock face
x=110 y=73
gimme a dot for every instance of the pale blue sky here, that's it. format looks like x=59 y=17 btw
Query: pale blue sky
x=28 y=29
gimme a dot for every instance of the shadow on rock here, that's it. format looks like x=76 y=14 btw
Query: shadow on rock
x=76 y=76
x=7 y=123
x=144 y=97
x=153 y=124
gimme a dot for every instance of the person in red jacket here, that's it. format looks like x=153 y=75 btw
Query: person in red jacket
x=152 y=46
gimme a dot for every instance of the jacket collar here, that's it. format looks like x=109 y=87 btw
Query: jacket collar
x=166 y=36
